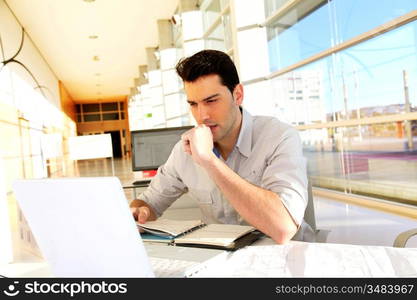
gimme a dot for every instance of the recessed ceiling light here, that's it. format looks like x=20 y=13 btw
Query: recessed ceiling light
x=93 y=37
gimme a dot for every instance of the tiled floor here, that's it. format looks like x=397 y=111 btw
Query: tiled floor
x=343 y=223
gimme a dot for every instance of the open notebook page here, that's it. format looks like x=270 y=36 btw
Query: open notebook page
x=166 y=227
x=215 y=234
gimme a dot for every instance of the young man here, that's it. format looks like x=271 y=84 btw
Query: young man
x=240 y=168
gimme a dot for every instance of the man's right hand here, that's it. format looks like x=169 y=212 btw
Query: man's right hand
x=141 y=215
x=141 y=212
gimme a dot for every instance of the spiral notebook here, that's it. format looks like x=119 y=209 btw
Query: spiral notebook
x=195 y=233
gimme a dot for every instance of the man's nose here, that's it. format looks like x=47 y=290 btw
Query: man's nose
x=203 y=113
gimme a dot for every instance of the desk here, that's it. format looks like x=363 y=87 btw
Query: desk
x=296 y=259
x=301 y=259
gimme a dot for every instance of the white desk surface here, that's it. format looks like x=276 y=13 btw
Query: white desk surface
x=301 y=259
x=296 y=259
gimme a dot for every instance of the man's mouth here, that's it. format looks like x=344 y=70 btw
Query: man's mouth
x=212 y=127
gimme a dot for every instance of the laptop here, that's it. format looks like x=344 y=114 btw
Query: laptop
x=84 y=228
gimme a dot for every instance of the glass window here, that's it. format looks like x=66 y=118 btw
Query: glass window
x=314 y=26
x=177 y=35
x=366 y=159
x=211 y=13
x=367 y=80
x=93 y=107
x=216 y=39
x=112 y=106
x=91 y=118
x=298 y=85
x=301 y=32
x=356 y=16
x=375 y=78
x=228 y=39
x=110 y=116
x=224 y=4
x=273 y=5
x=375 y=74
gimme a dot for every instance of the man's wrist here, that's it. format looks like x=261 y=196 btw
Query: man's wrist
x=136 y=203
x=209 y=161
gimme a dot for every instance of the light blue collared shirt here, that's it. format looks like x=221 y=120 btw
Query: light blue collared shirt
x=268 y=153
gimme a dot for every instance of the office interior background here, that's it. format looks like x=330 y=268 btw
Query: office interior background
x=343 y=72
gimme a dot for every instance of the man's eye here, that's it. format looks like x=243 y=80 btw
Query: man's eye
x=212 y=100
x=193 y=104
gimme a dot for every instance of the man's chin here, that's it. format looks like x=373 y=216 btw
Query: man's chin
x=217 y=138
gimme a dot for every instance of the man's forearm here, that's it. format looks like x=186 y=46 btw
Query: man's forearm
x=141 y=203
x=261 y=208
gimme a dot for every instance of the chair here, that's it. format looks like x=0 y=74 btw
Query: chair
x=309 y=215
x=319 y=235
x=403 y=237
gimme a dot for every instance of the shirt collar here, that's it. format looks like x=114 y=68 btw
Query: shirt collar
x=244 y=141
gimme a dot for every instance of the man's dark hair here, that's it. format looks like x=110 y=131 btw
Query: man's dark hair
x=207 y=62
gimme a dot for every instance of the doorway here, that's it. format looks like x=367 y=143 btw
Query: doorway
x=116 y=143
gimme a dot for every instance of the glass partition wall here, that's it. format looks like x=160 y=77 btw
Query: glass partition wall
x=345 y=74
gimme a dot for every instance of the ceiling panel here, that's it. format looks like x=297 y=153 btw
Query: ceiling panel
x=124 y=28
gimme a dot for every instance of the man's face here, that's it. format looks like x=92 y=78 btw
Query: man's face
x=212 y=104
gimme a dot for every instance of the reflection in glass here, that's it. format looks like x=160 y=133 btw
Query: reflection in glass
x=300 y=96
x=368 y=160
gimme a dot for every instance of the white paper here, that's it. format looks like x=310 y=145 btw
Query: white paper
x=300 y=259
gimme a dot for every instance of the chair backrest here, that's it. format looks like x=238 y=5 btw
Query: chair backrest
x=309 y=215
x=402 y=239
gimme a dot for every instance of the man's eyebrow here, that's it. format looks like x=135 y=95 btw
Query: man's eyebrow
x=205 y=99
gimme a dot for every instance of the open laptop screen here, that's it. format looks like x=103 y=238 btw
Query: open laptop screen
x=83 y=226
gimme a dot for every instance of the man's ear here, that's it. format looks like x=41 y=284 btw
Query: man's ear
x=238 y=94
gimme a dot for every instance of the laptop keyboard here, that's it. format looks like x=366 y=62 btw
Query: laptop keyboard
x=165 y=267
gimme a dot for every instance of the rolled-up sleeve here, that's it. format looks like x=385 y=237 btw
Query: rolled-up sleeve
x=166 y=186
x=285 y=174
